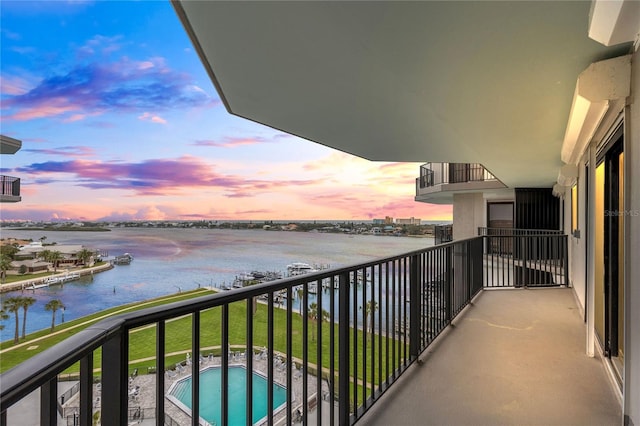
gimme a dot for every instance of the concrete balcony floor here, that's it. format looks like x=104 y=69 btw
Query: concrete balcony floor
x=515 y=357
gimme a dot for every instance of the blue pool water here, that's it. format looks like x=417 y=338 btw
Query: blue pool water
x=210 y=395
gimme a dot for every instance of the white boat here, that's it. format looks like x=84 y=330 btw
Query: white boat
x=299 y=268
x=124 y=259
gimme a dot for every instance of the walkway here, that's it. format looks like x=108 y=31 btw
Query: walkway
x=514 y=357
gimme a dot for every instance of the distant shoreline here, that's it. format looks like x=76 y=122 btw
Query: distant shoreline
x=60 y=228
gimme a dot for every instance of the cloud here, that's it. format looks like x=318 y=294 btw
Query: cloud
x=65 y=151
x=231 y=142
x=93 y=89
x=157 y=177
x=104 y=44
x=144 y=213
x=153 y=118
x=11 y=35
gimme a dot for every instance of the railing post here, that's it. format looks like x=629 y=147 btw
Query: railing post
x=343 y=350
x=565 y=259
x=160 y=367
x=86 y=389
x=414 y=307
x=195 y=369
x=48 y=407
x=448 y=265
x=114 y=379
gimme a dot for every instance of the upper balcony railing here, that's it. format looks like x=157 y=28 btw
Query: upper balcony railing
x=432 y=174
x=10 y=187
x=354 y=332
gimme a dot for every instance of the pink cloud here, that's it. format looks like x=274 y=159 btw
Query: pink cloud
x=14 y=85
x=51 y=107
x=65 y=151
x=158 y=177
x=153 y=118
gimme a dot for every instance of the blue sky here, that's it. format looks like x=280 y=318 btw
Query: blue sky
x=119 y=121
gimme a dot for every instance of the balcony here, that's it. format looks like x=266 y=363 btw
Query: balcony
x=439 y=181
x=515 y=357
x=10 y=189
x=334 y=359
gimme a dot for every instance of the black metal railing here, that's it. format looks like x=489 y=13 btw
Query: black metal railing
x=334 y=340
x=510 y=232
x=10 y=185
x=442 y=234
x=432 y=174
x=524 y=257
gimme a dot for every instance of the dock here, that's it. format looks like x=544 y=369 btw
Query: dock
x=41 y=282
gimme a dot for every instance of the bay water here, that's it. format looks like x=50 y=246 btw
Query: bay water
x=169 y=260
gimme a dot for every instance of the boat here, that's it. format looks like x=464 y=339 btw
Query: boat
x=255 y=277
x=300 y=268
x=124 y=259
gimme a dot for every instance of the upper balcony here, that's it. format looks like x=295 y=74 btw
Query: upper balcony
x=10 y=192
x=331 y=361
x=439 y=181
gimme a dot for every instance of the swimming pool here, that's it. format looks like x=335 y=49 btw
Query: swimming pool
x=180 y=394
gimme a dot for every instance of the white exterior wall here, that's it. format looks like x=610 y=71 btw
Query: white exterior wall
x=632 y=252
x=578 y=245
x=580 y=258
x=469 y=213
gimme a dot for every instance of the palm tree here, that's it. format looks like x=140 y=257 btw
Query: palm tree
x=44 y=255
x=12 y=304
x=369 y=309
x=25 y=303
x=3 y=316
x=5 y=265
x=85 y=255
x=53 y=306
x=55 y=257
x=299 y=294
x=313 y=316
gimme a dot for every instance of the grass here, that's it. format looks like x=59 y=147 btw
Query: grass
x=12 y=357
x=142 y=341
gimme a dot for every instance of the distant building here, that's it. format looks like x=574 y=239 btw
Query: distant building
x=410 y=221
x=388 y=220
x=378 y=221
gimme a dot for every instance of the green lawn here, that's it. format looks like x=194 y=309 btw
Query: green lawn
x=13 y=357
x=142 y=341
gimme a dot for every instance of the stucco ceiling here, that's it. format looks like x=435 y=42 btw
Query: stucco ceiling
x=452 y=81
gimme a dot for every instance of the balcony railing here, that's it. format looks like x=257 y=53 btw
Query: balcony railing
x=10 y=186
x=432 y=174
x=355 y=331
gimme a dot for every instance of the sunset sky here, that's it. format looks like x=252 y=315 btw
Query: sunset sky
x=119 y=121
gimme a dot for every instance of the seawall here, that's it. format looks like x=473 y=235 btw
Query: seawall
x=27 y=283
